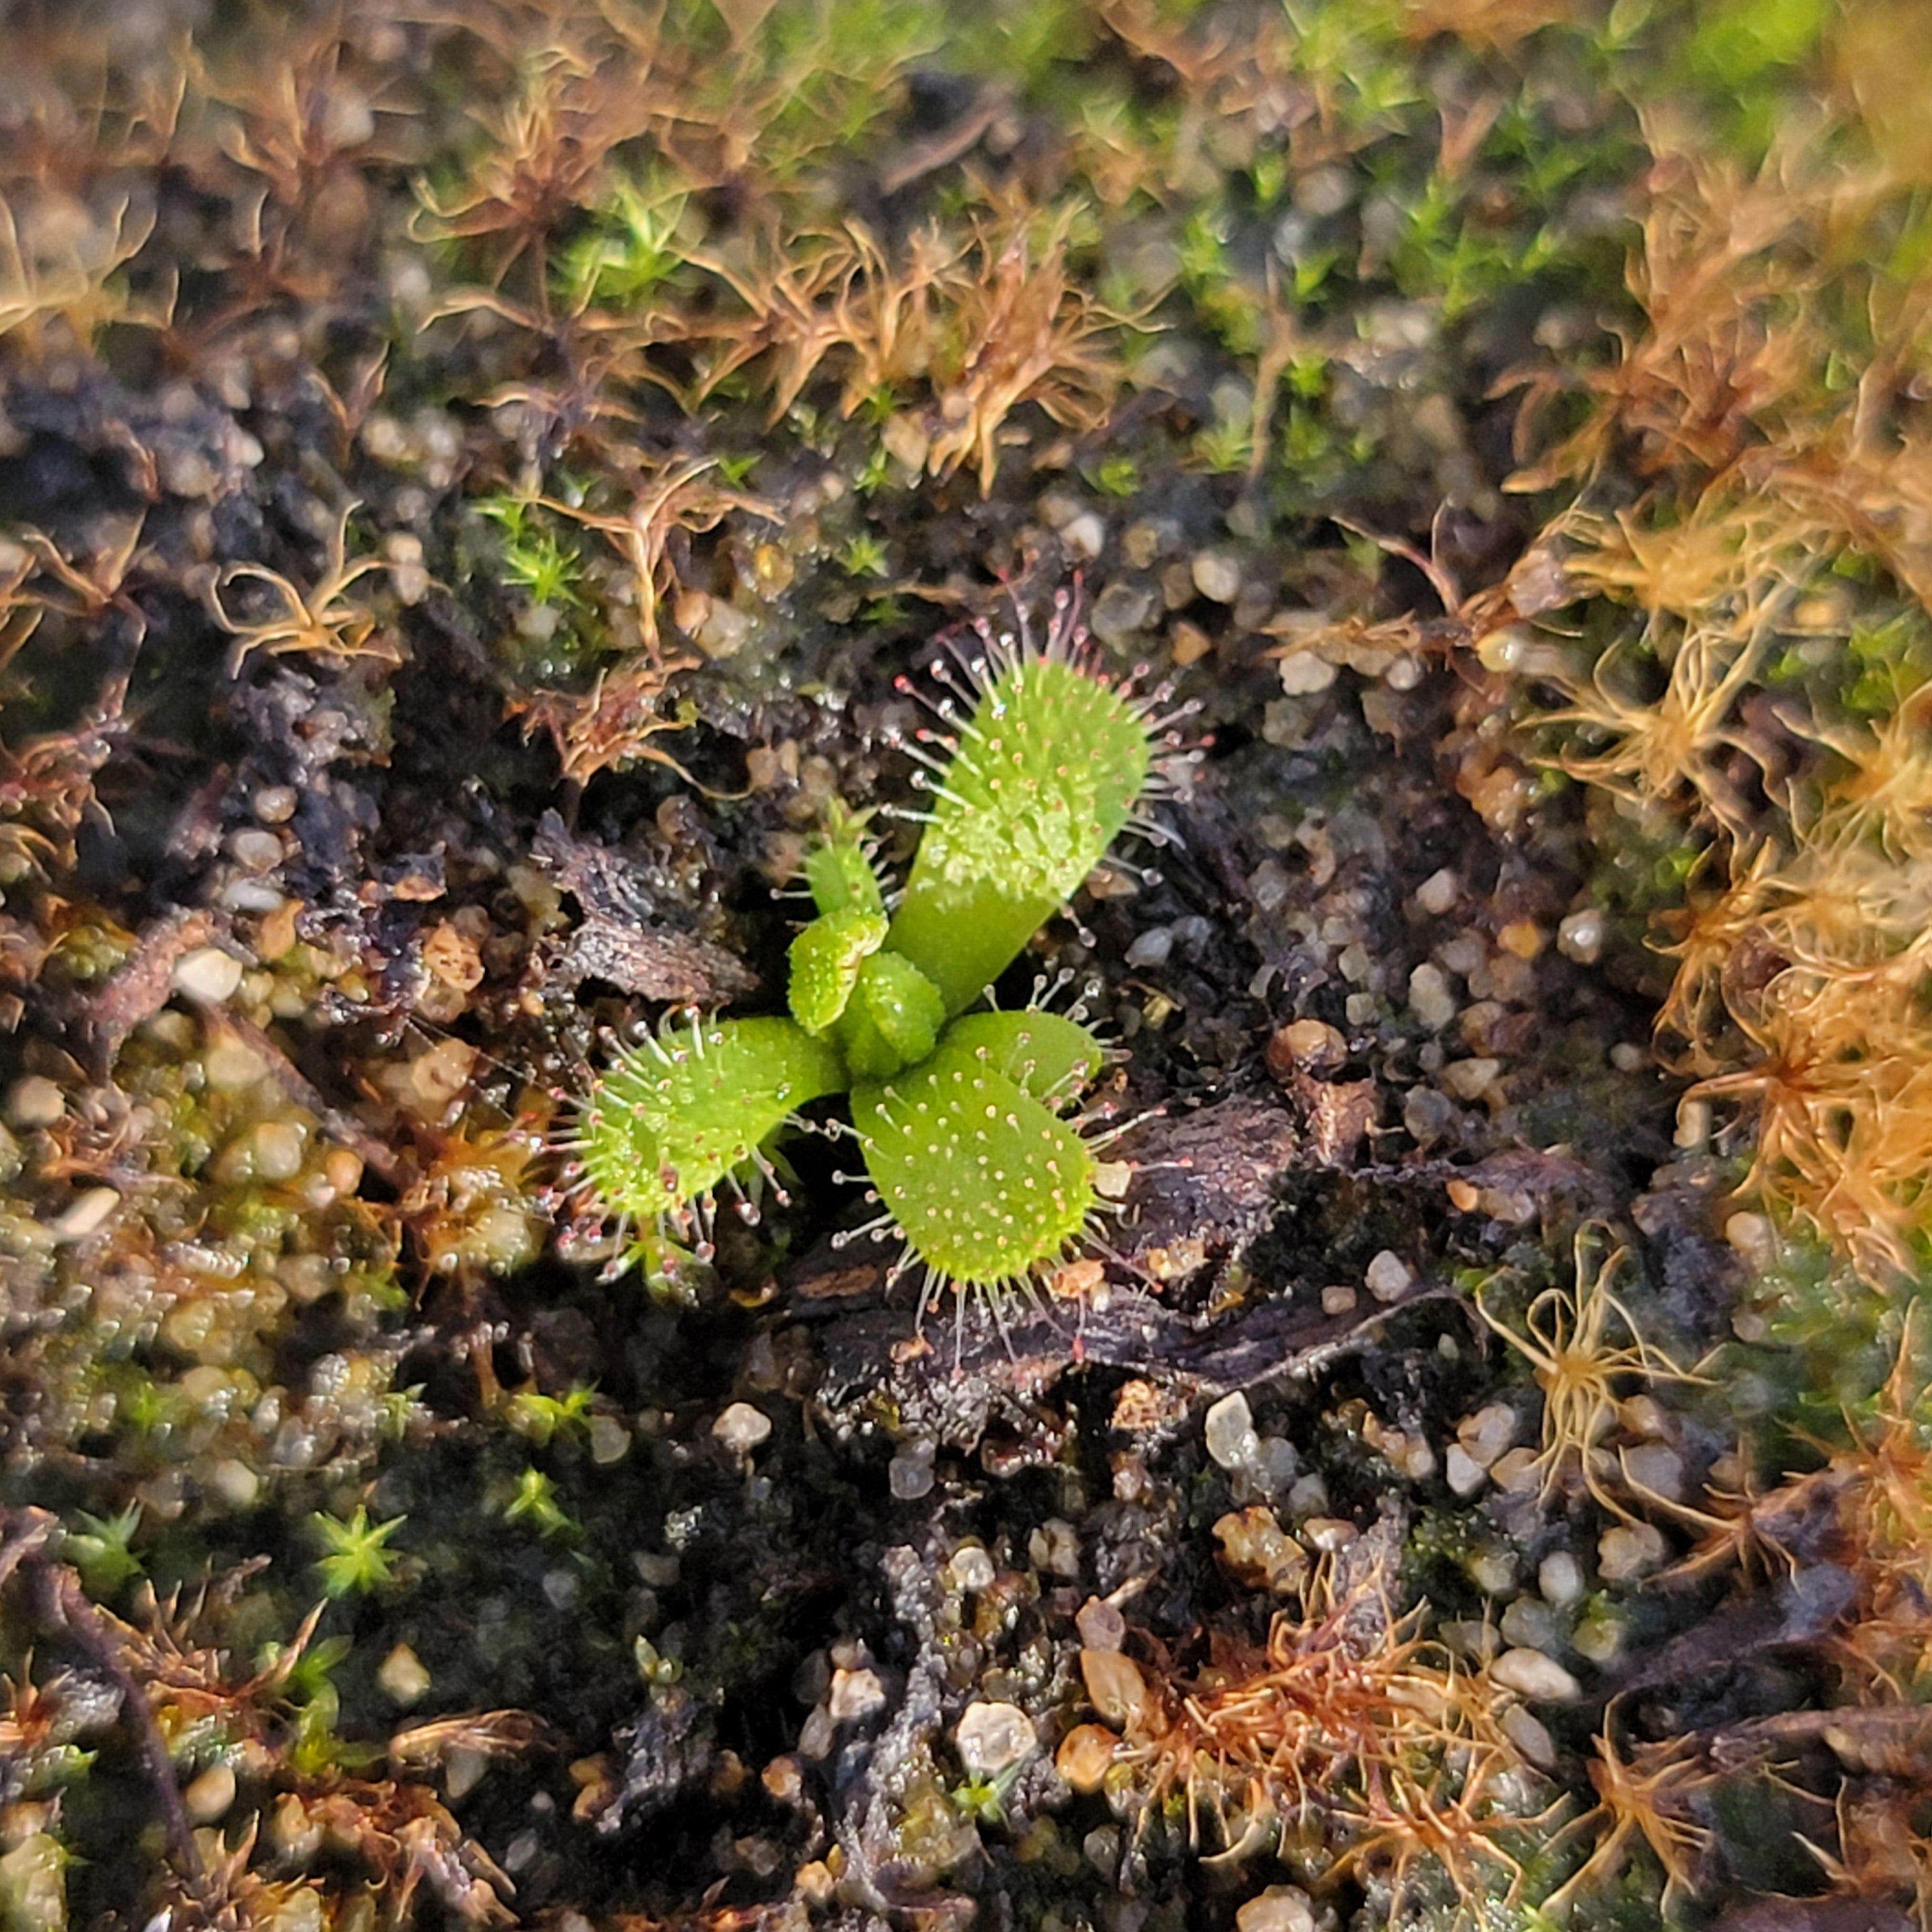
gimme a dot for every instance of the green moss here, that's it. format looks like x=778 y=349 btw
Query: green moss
x=355 y=1559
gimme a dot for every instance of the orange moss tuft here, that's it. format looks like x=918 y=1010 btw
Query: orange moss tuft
x=1348 y=1724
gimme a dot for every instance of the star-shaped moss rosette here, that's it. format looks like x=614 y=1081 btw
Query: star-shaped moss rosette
x=1039 y=760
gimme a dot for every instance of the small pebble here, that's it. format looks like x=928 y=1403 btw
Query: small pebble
x=1531 y=1623
x=1085 y=536
x=1465 y=954
x=1338 y=1298
x=1100 y=1623
x=1256 y=1549
x=1054 y=1547
x=1752 y=1237
x=1387 y=1277
x=1657 y=1468
x=1229 y=1430
x=909 y=1475
x=1461 y=1471
x=1188 y=642
x=257 y=848
x=208 y=1796
x=1085 y=1755
x=1580 y=936
x=1492 y=1571
x=1310 y=1494
x=724 y=631
x=1217 y=576
x=234 y=1482
x=1560 y=1577
x=1431 y=998
x=207 y=976
x=1328 y=1533
x=971 y=1568
x=1101 y=1849
x=402 y=1677
x=1522 y=939
x=1438 y=894
x=907 y=441
x=858 y=1693
x=1530 y=1674
x=741 y=1427
x=1311 y=1046
x=408 y=577
x=1114 y=1685
x=1471 y=1079
x=1644 y=1415
x=84 y=1215
x=1122 y=611
x=994 y=1738
x=1518 y=1471
x=1277 y=1465
x=1597 y=1639
x=1304 y=673
x=182 y=470
x=816 y=1734
x=1487 y=1433
x=1151 y=947
x=812 y=1678
x=1628 y=1550
x=35 y=1101
x=1530 y=1736
x=294 y=1834
x=1282 y=1908
x=230 y=1066
x=279 y=1146
x=463 y=1771
x=300 y=1909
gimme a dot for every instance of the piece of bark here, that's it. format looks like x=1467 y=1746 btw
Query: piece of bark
x=622 y=938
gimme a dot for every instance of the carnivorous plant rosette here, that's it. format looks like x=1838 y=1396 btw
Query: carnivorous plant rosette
x=1038 y=761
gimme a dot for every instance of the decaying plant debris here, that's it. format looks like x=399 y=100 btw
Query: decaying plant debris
x=475 y=482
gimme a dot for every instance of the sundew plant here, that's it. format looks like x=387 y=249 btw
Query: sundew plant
x=968 y=1119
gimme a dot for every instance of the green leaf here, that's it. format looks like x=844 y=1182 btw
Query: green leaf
x=838 y=870
x=897 y=1013
x=674 y=1115
x=1046 y=1055
x=987 y=1184
x=826 y=960
x=1046 y=778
